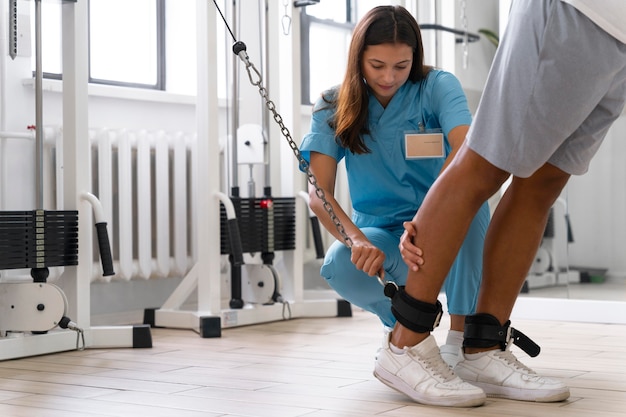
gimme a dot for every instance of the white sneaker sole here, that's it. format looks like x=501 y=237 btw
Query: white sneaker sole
x=396 y=383
x=520 y=394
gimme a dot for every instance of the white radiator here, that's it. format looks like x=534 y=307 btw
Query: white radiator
x=144 y=181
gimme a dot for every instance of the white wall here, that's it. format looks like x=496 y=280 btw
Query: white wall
x=479 y=14
x=597 y=203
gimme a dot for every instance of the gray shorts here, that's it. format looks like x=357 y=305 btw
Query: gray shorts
x=556 y=85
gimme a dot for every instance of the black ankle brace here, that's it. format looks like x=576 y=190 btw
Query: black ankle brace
x=485 y=331
x=413 y=314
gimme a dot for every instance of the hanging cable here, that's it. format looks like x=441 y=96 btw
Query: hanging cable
x=227 y=143
x=224 y=19
x=67 y=323
x=239 y=49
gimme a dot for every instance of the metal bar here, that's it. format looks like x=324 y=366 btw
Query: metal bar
x=13 y=29
x=16 y=135
x=38 y=109
x=234 y=157
x=265 y=112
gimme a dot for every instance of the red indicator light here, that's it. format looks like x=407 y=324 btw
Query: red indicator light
x=266 y=204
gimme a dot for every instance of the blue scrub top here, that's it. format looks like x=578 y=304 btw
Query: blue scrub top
x=386 y=189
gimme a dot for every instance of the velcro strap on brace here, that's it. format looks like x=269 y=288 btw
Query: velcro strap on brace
x=484 y=331
x=413 y=314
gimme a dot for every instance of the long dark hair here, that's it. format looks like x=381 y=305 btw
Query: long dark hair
x=380 y=25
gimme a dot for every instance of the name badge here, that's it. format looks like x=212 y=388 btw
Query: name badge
x=424 y=145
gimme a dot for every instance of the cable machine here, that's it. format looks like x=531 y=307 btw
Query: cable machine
x=219 y=212
x=39 y=317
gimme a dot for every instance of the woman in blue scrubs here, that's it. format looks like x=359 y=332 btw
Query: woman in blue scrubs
x=396 y=123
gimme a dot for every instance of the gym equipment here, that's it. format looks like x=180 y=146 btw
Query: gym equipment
x=549 y=268
x=413 y=314
x=484 y=330
x=206 y=313
x=39 y=317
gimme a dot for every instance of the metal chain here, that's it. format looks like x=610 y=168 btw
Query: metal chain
x=257 y=80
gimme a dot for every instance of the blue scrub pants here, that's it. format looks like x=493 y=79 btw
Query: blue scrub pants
x=461 y=285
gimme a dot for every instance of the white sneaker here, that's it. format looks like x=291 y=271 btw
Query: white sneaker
x=451 y=354
x=420 y=373
x=502 y=375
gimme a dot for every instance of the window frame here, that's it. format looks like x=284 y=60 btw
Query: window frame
x=306 y=21
x=160 y=57
x=354 y=10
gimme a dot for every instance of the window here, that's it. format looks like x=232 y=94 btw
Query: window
x=126 y=42
x=181 y=45
x=326 y=30
x=51 y=39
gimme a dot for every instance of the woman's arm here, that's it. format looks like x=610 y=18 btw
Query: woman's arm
x=411 y=254
x=365 y=256
x=455 y=139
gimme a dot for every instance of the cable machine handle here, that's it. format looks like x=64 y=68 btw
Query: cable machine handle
x=317 y=237
x=105 y=249
x=103 y=235
x=234 y=237
x=236 y=246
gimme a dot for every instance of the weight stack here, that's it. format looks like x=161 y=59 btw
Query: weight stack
x=38 y=239
x=265 y=224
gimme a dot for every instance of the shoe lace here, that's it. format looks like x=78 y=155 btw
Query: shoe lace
x=438 y=367
x=510 y=359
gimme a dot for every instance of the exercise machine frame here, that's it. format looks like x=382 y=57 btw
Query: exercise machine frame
x=208 y=316
x=75 y=280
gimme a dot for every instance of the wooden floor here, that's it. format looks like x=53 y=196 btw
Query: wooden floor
x=302 y=367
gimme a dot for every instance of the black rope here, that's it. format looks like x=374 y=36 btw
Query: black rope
x=224 y=19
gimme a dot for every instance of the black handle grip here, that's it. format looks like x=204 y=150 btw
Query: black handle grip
x=235 y=242
x=317 y=237
x=570 y=233
x=105 y=249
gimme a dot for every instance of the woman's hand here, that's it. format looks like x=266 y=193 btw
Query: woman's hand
x=368 y=258
x=411 y=254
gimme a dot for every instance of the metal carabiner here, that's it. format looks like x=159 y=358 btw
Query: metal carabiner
x=390 y=288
